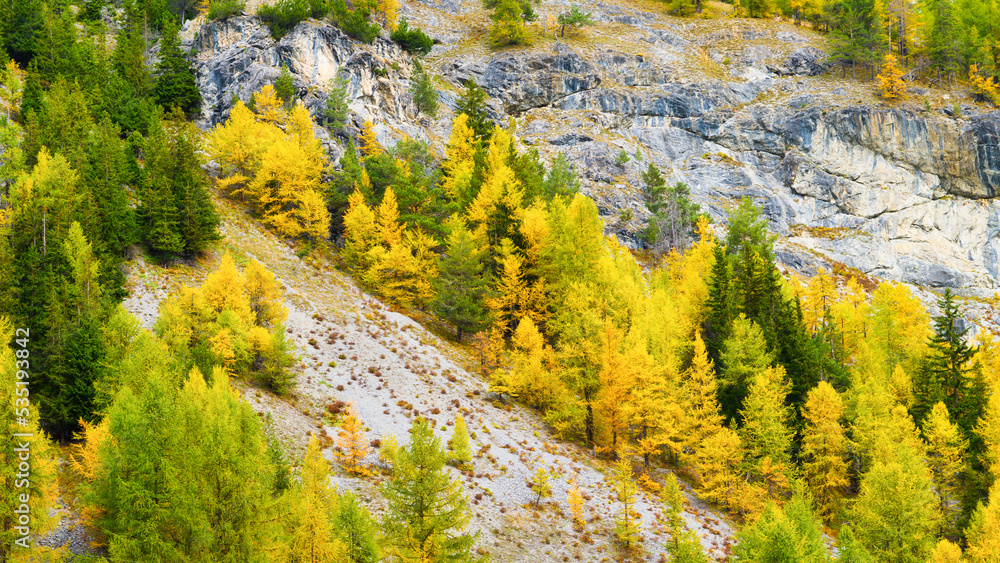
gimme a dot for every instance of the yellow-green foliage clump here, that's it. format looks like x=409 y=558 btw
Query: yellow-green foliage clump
x=234 y=320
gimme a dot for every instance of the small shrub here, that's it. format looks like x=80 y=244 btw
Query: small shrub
x=222 y=9
x=622 y=158
x=413 y=40
x=284 y=15
x=354 y=22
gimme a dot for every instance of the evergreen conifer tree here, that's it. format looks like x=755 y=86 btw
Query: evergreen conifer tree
x=946 y=374
x=427 y=513
x=461 y=288
x=424 y=94
x=174 y=84
x=473 y=104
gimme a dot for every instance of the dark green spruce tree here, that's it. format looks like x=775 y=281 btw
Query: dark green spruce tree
x=947 y=373
x=174 y=84
x=462 y=288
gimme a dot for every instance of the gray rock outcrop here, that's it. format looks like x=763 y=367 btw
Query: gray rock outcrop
x=910 y=193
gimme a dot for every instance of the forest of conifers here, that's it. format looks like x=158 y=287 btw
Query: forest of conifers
x=835 y=404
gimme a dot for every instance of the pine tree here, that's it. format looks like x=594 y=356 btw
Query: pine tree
x=427 y=512
x=824 y=449
x=174 y=84
x=574 y=18
x=284 y=86
x=351 y=441
x=540 y=485
x=472 y=103
x=336 y=110
x=461 y=288
x=459 y=444
x=425 y=96
x=946 y=374
x=175 y=210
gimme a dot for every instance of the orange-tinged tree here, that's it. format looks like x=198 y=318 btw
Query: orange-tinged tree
x=890 y=80
x=352 y=443
x=617 y=379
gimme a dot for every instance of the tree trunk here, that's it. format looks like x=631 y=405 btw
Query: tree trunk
x=459 y=334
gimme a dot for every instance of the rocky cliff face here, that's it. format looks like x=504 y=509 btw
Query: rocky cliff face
x=733 y=109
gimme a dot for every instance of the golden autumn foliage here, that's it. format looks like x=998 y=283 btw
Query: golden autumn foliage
x=352 y=443
x=312 y=535
x=399 y=262
x=575 y=501
x=890 y=80
x=983 y=533
x=271 y=160
x=824 y=449
x=236 y=317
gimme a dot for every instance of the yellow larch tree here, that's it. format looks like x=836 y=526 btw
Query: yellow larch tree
x=824 y=449
x=264 y=295
x=389 y=11
x=532 y=376
x=945 y=454
x=460 y=164
x=983 y=533
x=900 y=325
x=851 y=317
x=270 y=158
x=890 y=80
x=390 y=231
x=945 y=552
x=702 y=417
x=312 y=537
x=818 y=297
x=617 y=379
x=360 y=233
x=575 y=500
x=369 y=144
x=515 y=297
x=352 y=443
x=627 y=520
x=988 y=429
